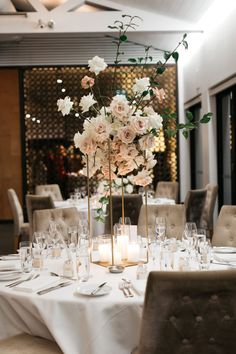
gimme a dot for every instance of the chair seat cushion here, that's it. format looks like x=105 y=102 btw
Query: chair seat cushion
x=26 y=344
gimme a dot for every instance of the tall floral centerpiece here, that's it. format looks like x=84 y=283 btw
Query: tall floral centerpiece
x=119 y=131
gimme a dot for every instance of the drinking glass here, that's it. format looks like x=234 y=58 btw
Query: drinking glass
x=160 y=228
x=199 y=237
x=83 y=264
x=204 y=255
x=26 y=256
x=188 y=235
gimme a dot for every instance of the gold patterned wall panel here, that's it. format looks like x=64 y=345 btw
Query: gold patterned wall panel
x=50 y=155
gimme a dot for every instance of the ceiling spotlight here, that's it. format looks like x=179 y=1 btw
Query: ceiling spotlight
x=33 y=119
x=38 y=121
x=76 y=114
x=63 y=90
x=59 y=81
x=51 y=24
x=27 y=116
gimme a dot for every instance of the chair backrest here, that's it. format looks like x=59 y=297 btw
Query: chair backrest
x=37 y=202
x=166 y=189
x=174 y=214
x=189 y=312
x=209 y=206
x=132 y=206
x=194 y=204
x=17 y=211
x=63 y=217
x=224 y=231
x=52 y=190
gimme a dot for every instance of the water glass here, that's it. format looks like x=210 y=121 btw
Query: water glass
x=83 y=264
x=160 y=227
x=204 y=255
x=26 y=256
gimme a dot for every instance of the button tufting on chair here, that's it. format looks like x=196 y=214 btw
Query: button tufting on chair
x=212 y=340
x=199 y=318
x=185 y=341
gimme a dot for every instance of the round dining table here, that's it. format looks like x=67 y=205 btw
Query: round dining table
x=79 y=323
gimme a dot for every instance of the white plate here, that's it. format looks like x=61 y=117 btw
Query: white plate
x=10 y=275
x=86 y=289
x=224 y=249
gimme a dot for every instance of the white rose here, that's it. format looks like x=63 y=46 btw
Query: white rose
x=155 y=121
x=142 y=178
x=86 y=102
x=142 y=85
x=125 y=181
x=120 y=107
x=85 y=143
x=96 y=65
x=129 y=188
x=139 y=124
x=118 y=181
x=126 y=135
x=64 y=106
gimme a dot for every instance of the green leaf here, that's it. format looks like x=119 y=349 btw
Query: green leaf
x=150 y=58
x=189 y=116
x=185 y=134
x=180 y=126
x=112 y=27
x=167 y=55
x=160 y=70
x=145 y=93
x=185 y=44
x=154 y=131
x=206 y=118
x=123 y=38
x=185 y=35
x=104 y=200
x=190 y=126
x=171 y=132
x=175 y=55
x=132 y=60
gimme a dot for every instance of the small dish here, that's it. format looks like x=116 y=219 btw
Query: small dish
x=87 y=289
x=224 y=250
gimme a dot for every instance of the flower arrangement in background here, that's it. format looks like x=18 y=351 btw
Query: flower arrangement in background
x=121 y=129
x=103 y=186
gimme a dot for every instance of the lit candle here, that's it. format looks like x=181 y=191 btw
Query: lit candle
x=133 y=252
x=122 y=244
x=117 y=257
x=104 y=252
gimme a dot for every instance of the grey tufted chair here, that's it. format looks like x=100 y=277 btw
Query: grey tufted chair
x=174 y=214
x=224 y=232
x=37 y=202
x=21 y=228
x=194 y=204
x=64 y=217
x=27 y=344
x=52 y=190
x=208 y=209
x=189 y=313
x=167 y=189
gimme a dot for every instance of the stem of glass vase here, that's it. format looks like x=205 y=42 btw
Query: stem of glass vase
x=110 y=190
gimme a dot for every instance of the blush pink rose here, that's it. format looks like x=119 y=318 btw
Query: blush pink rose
x=142 y=178
x=126 y=135
x=87 y=82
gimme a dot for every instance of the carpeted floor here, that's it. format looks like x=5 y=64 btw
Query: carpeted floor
x=6 y=238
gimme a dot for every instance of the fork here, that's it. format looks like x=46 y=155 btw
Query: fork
x=122 y=288
x=127 y=286
x=30 y=277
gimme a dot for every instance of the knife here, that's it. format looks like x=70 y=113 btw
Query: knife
x=97 y=288
x=55 y=287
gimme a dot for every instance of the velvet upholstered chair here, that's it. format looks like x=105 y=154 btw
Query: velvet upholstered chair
x=21 y=228
x=224 y=233
x=194 y=205
x=132 y=206
x=189 y=313
x=52 y=190
x=166 y=189
x=208 y=209
x=26 y=344
x=37 y=202
x=174 y=214
x=63 y=217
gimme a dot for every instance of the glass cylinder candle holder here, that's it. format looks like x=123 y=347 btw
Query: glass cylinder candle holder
x=104 y=248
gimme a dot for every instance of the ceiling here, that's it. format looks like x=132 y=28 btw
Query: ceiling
x=189 y=10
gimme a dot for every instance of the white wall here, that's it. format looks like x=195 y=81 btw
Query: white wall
x=211 y=59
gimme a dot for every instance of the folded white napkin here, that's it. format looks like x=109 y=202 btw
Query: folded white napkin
x=8 y=265
x=37 y=284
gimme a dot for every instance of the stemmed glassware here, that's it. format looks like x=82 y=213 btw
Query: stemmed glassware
x=160 y=228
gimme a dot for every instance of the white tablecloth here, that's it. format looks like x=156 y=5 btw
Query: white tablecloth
x=108 y=324
x=79 y=324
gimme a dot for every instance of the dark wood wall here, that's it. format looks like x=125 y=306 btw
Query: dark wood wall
x=10 y=139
